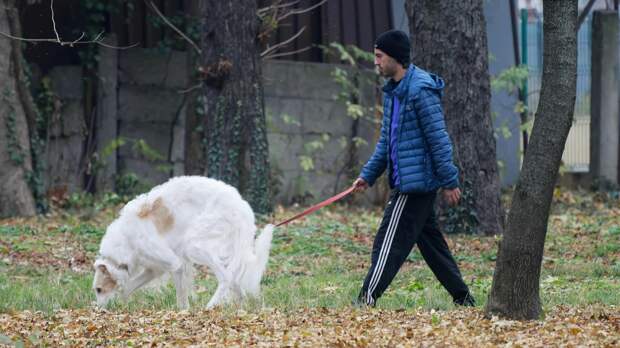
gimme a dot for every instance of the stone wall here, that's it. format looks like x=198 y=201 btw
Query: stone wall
x=66 y=132
x=147 y=104
x=302 y=113
x=150 y=108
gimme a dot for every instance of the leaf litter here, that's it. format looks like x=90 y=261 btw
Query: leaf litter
x=360 y=327
x=576 y=218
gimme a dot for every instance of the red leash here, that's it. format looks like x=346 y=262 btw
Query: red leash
x=318 y=206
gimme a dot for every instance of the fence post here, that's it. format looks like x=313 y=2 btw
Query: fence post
x=524 y=91
x=605 y=105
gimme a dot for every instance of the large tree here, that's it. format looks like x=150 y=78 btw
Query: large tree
x=234 y=124
x=16 y=114
x=516 y=282
x=449 y=39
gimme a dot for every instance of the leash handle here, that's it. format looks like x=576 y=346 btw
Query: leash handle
x=319 y=205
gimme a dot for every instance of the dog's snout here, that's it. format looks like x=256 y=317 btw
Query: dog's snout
x=98 y=290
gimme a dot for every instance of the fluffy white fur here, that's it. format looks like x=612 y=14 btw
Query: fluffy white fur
x=187 y=220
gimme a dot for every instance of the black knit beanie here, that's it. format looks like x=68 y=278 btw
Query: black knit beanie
x=395 y=43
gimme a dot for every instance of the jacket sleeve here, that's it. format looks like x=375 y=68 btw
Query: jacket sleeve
x=378 y=161
x=428 y=108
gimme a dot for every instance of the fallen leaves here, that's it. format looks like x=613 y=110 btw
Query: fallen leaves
x=344 y=327
x=581 y=250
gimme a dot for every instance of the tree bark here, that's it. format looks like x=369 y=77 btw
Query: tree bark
x=16 y=198
x=235 y=128
x=194 y=131
x=449 y=39
x=516 y=282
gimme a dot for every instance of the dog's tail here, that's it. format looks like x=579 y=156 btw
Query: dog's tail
x=256 y=265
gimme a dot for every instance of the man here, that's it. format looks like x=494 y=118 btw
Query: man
x=417 y=152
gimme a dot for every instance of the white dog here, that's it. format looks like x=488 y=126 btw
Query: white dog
x=187 y=220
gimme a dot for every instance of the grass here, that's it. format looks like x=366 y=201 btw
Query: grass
x=45 y=262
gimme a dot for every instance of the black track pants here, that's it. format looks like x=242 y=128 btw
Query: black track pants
x=410 y=219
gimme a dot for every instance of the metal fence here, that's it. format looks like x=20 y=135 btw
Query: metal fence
x=576 y=157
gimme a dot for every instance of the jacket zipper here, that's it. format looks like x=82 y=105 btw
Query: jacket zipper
x=400 y=130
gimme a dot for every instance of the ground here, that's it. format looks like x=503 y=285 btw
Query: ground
x=316 y=269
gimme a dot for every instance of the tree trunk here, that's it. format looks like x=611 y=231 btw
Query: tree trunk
x=16 y=198
x=194 y=131
x=515 y=290
x=449 y=39
x=235 y=126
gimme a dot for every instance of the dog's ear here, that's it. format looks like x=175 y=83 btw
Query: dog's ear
x=103 y=269
x=157 y=203
x=158 y=213
x=146 y=209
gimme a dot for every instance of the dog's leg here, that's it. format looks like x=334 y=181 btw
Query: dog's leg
x=222 y=293
x=188 y=279
x=216 y=298
x=144 y=277
x=155 y=253
x=238 y=294
x=181 y=288
x=199 y=253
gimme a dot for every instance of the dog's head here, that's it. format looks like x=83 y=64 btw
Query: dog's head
x=109 y=280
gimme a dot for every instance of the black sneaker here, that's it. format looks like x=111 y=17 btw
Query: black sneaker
x=466 y=301
x=360 y=302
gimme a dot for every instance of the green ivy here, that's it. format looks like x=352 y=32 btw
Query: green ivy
x=46 y=109
x=16 y=153
x=190 y=27
x=138 y=146
x=129 y=185
x=95 y=14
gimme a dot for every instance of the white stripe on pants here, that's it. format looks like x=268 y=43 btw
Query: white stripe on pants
x=385 y=247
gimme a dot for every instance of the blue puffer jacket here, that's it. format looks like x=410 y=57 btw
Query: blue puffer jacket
x=424 y=147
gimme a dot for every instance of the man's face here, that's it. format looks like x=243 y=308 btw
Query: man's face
x=385 y=65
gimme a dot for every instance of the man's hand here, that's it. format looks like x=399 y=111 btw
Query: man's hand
x=452 y=196
x=360 y=185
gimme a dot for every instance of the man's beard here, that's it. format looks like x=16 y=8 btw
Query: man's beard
x=385 y=73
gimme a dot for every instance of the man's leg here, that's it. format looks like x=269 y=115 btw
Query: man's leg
x=402 y=222
x=436 y=253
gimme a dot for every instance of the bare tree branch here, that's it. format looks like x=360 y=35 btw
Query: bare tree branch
x=156 y=10
x=275 y=7
x=54 y=22
x=78 y=39
x=101 y=43
x=187 y=90
x=584 y=13
x=283 y=54
x=98 y=40
x=272 y=20
x=283 y=43
x=70 y=43
x=297 y=12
